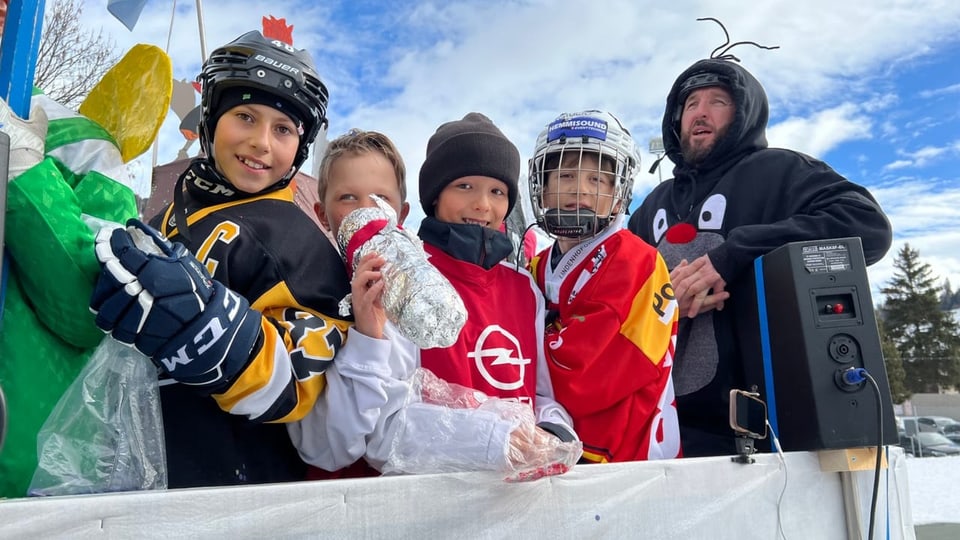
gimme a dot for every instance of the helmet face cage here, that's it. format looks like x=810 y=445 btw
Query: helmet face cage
x=581 y=174
x=271 y=66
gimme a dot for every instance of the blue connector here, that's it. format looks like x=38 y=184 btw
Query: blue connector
x=854 y=376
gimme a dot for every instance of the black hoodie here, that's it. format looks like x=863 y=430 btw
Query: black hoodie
x=741 y=202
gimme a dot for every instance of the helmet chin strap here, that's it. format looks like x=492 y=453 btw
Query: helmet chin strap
x=571 y=224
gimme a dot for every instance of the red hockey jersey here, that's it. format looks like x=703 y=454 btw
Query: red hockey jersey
x=610 y=349
x=499 y=359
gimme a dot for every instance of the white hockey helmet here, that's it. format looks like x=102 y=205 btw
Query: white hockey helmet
x=592 y=131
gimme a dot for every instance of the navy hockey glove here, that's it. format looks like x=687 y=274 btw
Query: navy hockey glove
x=155 y=295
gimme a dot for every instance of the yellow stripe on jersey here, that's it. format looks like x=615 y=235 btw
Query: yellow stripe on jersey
x=307 y=393
x=311 y=342
x=257 y=375
x=653 y=313
x=278 y=296
x=285 y=194
x=593 y=457
x=534 y=263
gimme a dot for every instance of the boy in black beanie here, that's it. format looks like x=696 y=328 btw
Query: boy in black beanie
x=468 y=184
x=472 y=146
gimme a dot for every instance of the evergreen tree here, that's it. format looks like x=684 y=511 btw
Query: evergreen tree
x=896 y=375
x=927 y=338
x=947 y=298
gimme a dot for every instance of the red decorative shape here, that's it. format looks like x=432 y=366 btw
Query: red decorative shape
x=681 y=233
x=274 y=28
x=196 y=86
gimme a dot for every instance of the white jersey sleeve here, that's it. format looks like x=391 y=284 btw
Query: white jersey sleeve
x=333 y=435
x=371 y=408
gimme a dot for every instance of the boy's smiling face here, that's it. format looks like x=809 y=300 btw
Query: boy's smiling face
x=353 y=178
x=478 y=200
x=254 y=146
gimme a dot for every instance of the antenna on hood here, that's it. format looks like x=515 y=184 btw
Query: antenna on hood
x=724 y=49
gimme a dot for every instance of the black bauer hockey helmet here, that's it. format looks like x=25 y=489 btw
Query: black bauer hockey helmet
x=271 y=66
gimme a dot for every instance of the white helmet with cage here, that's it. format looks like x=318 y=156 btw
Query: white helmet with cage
x=562 y=145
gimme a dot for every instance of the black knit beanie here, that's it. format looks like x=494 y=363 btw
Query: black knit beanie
x=241 y=95
x=472 y=146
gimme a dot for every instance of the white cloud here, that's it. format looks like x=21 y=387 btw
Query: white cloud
x=923 y=156
x=952 y=89
x=924 y=214
x=403 y=68
x=822 y=131
x=899 y=164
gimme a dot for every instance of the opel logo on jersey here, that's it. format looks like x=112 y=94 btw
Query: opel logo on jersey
x=488 y=359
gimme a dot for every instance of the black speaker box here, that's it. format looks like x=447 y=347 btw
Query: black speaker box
x=816 y=320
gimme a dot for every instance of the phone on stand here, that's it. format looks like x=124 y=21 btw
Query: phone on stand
x=748 y=414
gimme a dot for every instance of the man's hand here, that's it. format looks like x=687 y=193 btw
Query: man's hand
x=154 y=295
x=698 y=287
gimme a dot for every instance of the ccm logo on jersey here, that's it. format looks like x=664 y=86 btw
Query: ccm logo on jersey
x=276 y=63
x=208 y=336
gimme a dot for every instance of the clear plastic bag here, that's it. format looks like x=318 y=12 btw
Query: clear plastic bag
x=527 y=452
x=106 y=432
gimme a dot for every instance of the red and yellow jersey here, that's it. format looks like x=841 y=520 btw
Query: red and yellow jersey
x=610 y=348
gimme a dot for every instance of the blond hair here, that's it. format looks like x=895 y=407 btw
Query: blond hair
x=358 y=142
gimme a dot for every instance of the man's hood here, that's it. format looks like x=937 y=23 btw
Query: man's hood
x=748 y=130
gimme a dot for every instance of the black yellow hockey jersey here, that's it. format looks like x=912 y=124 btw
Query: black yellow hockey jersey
x=266 y=249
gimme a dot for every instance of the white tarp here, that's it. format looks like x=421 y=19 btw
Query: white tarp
x=689 y=498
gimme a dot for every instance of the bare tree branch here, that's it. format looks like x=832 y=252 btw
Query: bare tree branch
x=72 y=59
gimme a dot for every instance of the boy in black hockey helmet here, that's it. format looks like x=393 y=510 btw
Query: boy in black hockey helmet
x=254 y=340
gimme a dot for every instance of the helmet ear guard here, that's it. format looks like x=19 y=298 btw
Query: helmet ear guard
x=271 y=66
x=589 y=132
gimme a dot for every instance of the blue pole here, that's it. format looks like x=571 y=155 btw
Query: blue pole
x=18 y=53
x=19 y=47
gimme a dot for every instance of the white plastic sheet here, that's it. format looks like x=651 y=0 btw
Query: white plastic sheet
x=689 y=498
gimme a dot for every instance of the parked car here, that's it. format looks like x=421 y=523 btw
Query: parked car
x=929 y=444
x=907 y=425
x=935 y=423
x=952 y=432
x=910 y=425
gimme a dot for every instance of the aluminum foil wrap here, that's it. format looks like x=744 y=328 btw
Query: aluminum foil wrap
x=422 y=304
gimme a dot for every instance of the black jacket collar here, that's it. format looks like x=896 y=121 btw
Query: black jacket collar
x=482 y=246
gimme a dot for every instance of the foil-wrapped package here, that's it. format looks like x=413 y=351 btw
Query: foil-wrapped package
x=422 y=304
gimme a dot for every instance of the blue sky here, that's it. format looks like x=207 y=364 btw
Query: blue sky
x=873 y=88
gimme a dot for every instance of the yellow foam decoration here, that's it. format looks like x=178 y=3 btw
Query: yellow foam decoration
x=132 y=99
